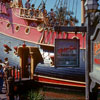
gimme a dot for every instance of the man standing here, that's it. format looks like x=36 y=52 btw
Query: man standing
x=6 y=61
x=27 y=4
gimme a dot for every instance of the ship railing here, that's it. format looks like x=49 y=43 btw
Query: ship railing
x=17 y=73
x=14 y=72
x=31 y=13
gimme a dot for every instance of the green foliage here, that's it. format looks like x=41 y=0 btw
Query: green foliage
x=35 y=95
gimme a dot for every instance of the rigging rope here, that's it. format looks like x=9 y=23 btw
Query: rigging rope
x=35 y=1
x=58 y=4
x=76 y=9
x=45 y=1
x=73 y=5
x=61 y=3
x=65 y=3
x=55 y=4
x=41 y=3
x=65 y=7
x=69 y=4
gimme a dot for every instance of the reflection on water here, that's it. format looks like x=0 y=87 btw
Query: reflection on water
x=55 y=93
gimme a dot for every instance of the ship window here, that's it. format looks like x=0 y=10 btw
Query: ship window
x=27 y=30
x=8 y=25
x=17 y=28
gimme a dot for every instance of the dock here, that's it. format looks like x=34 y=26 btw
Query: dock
x=4 y=95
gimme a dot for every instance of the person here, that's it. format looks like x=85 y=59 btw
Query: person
x=32 y=7
x=6 y=69
x=52 y=16
x=6 y=61
x=1 y=78
x=27 y=4
x=32 y=10
x=3 y=65
x=44 y=11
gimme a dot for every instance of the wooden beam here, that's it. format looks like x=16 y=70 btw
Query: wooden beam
x=70 y=29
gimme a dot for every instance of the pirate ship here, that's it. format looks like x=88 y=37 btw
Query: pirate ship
x=35 y=27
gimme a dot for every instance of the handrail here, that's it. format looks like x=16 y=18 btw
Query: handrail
x=31 y=13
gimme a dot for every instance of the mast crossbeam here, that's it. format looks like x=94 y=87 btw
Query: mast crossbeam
x=70 y=29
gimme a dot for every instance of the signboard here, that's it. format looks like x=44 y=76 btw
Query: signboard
x=96 y=53
x=95 y=56
x=67 y=52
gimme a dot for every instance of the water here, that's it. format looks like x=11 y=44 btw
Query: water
x=57 y=93
x=48 y=92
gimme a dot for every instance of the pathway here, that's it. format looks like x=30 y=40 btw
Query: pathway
x=3 y=96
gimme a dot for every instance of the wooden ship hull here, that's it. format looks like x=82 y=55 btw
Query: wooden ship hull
x=16 y=28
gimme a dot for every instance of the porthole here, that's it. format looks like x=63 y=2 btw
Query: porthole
x=8 y=25
x=17 y=28
x=27 y=30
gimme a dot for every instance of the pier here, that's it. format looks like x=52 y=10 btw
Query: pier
x=4 y=95
x=19 y=79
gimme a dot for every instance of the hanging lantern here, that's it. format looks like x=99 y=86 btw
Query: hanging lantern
x=91 y=5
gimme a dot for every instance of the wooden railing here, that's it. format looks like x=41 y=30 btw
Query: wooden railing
x=14 y=72
x=31 y=13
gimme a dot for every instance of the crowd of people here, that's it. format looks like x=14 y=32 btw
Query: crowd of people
x=50 y=15
x=31 y=12
x=3 y=69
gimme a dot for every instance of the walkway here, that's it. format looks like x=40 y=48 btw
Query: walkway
x=3 y=96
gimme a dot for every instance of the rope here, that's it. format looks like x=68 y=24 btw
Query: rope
x=61 y=3
x=40 y=4
x=55 y=4
x=76 y=8
x=69 y=6
x=65 y=10
x=35 y=1
x=45 y=1
x=30 y=1
x=65 y=3
x=58 y=4
x=73 y=5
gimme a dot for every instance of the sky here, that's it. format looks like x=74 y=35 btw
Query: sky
x=50 y=4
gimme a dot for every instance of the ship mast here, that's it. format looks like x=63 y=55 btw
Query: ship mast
x=82 y=12
x=64 y=13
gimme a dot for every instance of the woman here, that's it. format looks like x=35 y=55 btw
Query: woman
x=6 y=62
